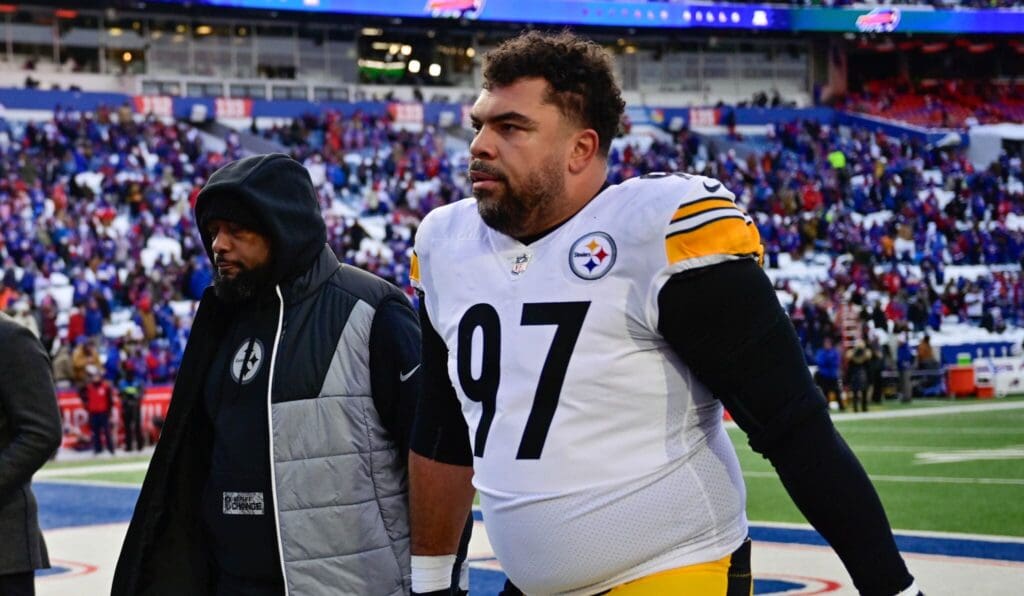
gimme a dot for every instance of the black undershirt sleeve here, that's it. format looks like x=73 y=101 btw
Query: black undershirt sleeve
x=725 y=322
x=394 y=379
x=440 y=432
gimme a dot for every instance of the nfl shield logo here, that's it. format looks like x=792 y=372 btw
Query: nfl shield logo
x=520 y=263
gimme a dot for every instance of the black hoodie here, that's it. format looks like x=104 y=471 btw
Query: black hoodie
x=274 y=195
x=165 y=551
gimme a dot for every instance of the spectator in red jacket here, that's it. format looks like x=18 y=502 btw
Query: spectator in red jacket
x=98 y=396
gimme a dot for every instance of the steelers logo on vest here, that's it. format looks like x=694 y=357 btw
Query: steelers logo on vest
x=247 y=361
x=592 y=256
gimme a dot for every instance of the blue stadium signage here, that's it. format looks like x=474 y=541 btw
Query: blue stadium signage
x=627 y=13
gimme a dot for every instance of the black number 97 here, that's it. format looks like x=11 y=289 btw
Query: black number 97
x=568 y=317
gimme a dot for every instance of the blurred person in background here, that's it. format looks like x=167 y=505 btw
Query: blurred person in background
x=828 y=360
x=82 y=357
x=858 y=364
x=131 y=390
x=30 y=432
x=98 y=399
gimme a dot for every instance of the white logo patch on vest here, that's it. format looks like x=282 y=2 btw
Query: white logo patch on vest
x=247 y=361
x=243 y=503
x=592 y=256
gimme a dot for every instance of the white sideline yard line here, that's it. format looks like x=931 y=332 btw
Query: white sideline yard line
x=89 y=482
x=927 y=411
x=89 y=470
x=922 y=411
x=918 y=479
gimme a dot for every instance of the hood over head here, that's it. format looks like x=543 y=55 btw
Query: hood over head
x=273 y=195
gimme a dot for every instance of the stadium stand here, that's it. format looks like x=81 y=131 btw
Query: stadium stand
x=946 y=104
x=874 y=224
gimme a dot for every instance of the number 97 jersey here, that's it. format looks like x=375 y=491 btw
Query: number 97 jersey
x=598 y=456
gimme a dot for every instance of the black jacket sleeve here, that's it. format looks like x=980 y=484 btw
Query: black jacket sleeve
x=725 y=322
x=28 y=405
x=440 y=432
x=395 y=369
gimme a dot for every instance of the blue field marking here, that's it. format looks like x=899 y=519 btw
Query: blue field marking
x=66 y=505
x=926 y=545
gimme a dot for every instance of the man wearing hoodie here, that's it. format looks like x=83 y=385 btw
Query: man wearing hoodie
x=282 y=463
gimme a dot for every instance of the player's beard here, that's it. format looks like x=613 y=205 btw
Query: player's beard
x=246 y=284
x=512 y=210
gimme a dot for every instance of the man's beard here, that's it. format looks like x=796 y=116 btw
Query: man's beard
x=246 y=284
x=512 y=211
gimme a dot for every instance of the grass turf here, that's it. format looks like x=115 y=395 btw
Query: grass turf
x=975 y=495
x=980 y=496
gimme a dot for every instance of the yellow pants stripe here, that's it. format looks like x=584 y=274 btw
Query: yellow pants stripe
x=728 y=576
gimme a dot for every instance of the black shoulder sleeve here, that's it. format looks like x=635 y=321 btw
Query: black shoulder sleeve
x=394 y=368
x=440 y=431
x=725 y=322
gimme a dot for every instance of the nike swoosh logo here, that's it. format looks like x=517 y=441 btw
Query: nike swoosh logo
x=403 y=377
x=713 y=187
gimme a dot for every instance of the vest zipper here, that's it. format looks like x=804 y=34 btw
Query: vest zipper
x=270 y=431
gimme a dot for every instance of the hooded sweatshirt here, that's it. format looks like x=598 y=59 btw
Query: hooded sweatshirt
x=325 y=413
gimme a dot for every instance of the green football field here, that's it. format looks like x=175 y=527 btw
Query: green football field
x=958 y=472
x=951 y=472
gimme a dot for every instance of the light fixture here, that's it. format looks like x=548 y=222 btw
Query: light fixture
x=434 y=70
x=414 y=66
x=406 y=50
x=372 y=31
x=470 y=52
x=204 y=30
x=115 y=31
x=126 y=57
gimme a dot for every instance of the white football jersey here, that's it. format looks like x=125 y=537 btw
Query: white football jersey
x=599 y=457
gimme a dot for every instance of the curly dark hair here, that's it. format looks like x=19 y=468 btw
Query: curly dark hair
x=578 y=71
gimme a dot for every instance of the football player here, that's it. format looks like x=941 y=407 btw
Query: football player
x=580 y=341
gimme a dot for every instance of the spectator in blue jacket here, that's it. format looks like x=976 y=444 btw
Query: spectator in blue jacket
x=827 y=359
x=905 y=364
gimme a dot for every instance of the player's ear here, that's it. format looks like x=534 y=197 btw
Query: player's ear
x=584 y=150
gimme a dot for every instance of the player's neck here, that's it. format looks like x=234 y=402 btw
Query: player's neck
x=558 y=221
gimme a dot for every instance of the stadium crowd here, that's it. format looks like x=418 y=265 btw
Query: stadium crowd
x=948 y=103
x=101 y=257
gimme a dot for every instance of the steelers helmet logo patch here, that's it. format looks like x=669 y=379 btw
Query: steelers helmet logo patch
x=247 y=361
x=592 y=256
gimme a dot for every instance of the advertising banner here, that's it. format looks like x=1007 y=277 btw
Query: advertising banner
x=75 y=420
x=637 y=13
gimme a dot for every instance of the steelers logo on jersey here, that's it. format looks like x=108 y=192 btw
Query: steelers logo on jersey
x=592 y=256
x=247 y=361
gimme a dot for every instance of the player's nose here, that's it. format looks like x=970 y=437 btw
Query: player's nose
x=482 y=146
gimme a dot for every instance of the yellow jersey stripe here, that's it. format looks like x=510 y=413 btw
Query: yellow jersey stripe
x=414 y=270
x=730 y=235
x=689 y=209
